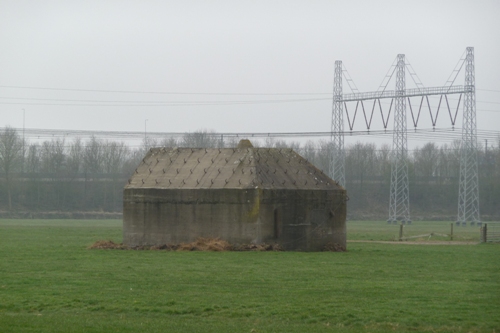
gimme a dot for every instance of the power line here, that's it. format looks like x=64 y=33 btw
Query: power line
x=490 y=90
x=176 y=93
x=443 y=134
x=177 y=103
x=94 y=103
x=161 y=92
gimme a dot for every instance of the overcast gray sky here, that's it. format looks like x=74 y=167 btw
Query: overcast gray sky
x=206 y=49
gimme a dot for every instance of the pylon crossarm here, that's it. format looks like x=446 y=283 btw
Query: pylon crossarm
x=406 y=93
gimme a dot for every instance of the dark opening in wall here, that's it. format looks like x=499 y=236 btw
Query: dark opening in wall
x=277 y=223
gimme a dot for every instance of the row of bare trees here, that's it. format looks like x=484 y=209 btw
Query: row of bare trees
x=78 y=175
x=58 y=175
x=434 y=172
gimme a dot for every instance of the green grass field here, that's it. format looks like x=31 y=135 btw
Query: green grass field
x=51 y=282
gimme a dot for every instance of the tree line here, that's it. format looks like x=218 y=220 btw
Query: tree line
x=88 y=176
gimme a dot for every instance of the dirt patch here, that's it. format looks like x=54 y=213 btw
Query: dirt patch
x=106 y=245
x=201 y=244
x=258 y=247
x=334 y=247
x=205 y=244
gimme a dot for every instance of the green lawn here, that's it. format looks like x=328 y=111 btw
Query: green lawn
x=51 y=282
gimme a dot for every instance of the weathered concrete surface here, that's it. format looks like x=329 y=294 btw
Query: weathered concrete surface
x=227 y=168
x=248 y=195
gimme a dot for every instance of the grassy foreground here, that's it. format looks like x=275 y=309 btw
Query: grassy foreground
x=51 y=282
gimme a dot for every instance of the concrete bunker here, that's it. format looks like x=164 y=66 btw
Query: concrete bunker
x=242 y=195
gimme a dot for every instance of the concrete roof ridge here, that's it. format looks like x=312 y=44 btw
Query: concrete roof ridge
x=244 y=167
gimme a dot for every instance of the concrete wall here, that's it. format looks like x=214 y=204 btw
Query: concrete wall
x=304 y=220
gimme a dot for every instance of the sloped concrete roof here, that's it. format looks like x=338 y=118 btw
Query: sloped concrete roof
x=236 y=168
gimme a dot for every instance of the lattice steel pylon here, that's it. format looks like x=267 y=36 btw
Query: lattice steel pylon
x=337 y=152
x=468 y=192
x=399 y=200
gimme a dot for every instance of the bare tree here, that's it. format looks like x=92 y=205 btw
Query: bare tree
x=323 y=155
x=269 y=142
x=384 y=161
x=168 y=142
x=361 y=162
x=427 y=161
x=32 y=163
x=201 y=139
x=232 y=142
x=58 y=155
x=309 y=151
x=75 y=157
x=92 y=158
x=53 y=157
x=32 y=166
x=45 y=157
x=113 y=156
x=10 y=157
x=148 y=143
x=132 y=161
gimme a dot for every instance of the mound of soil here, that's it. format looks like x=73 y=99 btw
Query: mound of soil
x=201 y=244
x=106 y=244
x=333 y=247
x=258 y=247
x=205 y=244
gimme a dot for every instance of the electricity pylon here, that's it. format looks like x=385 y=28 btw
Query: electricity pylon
x=468 y=192
x=337 y=158
x=399 y=199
